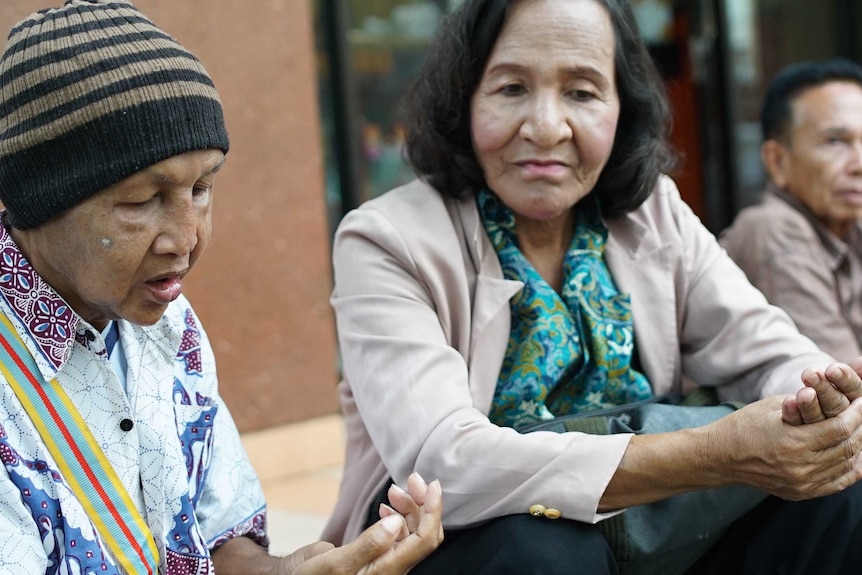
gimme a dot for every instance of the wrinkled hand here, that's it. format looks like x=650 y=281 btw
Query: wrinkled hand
x=404 y=536
x=825 y=393
x=791 y=461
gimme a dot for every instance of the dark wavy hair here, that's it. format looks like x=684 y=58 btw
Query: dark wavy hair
x=791 y=81
x=436 y=109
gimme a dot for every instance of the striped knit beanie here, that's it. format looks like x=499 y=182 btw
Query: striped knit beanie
x=91 y=93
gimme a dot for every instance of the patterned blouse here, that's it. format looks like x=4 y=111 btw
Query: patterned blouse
x=182 y=461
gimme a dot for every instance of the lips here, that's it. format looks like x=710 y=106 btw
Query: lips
x=853 y=197
x=166 y=288
x=541 y=162
x=550 y=169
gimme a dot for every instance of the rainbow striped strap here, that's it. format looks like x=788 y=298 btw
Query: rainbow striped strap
x=79 y=458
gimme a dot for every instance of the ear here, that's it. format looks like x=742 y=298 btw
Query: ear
x=775 y=159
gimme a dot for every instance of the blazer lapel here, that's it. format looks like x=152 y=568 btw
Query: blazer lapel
x=641 y=266
x=490 y=317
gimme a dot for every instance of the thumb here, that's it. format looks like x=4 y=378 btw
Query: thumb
x=303 y=554
x=371 y=544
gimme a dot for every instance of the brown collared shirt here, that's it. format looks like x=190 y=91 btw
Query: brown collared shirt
x=803 y=268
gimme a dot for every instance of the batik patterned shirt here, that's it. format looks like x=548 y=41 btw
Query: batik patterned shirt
x=182 y=462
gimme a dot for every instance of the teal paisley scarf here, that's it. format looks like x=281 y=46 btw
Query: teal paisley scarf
x=569 y=352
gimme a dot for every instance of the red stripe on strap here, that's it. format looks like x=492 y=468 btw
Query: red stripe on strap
x=78 y=455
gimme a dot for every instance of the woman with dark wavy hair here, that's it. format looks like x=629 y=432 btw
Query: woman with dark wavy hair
x=542 y=265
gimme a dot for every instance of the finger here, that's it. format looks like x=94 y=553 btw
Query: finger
x=836 y=431
x=405 y=505
x=408 y=552
x=832 y=402
x=303 y=554
x=417 y=487
x=846 y=380
x=386 y=511
x=431 y=521
x=372 y=544
x=401 y=500
x=840 y=477
x=824 y=470
x=790 y=411
x=434 y=509
x=808 y=402
x=856 y=365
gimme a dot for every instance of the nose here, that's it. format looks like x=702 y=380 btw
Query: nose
x=547 y=122
x=181 y=225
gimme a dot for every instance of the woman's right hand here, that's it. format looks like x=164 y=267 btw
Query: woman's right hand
x=757 y=447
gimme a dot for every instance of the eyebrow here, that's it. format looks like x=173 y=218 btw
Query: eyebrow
x=835 y=132
x=218 y=166
x=164 y=178
x=588 y=71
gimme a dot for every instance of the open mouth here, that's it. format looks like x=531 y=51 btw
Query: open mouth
x=851 y=197
x=166 y=289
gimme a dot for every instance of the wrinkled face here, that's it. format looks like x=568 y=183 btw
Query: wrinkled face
x=544 y=115
x=123 y=252
x=821 y=162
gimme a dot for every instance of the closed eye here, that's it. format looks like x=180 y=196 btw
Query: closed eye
x=512 y=90
x=201 y=189
x=140 y=203
x=583 y=95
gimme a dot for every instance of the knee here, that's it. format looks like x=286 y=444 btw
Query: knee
x=530 y=545
x=847 y=506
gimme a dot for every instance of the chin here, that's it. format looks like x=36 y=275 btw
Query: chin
x=145 y=319
x=544 y=211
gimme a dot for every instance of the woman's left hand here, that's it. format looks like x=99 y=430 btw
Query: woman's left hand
x=826 y=393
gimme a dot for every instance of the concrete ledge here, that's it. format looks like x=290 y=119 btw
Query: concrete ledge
x=296 y=448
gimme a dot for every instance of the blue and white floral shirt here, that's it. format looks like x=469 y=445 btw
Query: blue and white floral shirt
x=182 y=461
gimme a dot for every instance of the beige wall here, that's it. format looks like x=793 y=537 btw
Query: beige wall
x=262 y=288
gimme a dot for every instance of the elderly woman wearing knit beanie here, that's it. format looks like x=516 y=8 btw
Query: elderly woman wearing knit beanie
x=120 y=456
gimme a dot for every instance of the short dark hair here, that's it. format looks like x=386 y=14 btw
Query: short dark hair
x=791 y=81
x=437 y=108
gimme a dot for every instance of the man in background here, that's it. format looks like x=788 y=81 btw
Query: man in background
x=802 y=244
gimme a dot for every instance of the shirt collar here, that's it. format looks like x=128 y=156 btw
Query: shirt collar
x=837 y=249
x=47 y=324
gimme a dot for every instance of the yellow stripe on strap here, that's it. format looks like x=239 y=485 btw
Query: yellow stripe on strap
x=80 y=460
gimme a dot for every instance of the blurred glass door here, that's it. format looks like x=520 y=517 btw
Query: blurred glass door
x=373 y=49
x=740 y=45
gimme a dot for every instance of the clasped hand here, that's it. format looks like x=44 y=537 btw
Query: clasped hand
x=406 y=533
x=826 y=393
x=804 y=445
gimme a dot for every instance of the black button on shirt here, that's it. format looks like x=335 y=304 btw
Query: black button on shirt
x=127 y=425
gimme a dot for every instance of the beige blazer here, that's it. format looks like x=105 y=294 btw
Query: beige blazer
x=423 y=321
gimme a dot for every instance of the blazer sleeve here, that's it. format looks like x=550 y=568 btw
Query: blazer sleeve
x=411 y=386
x=731 y=337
